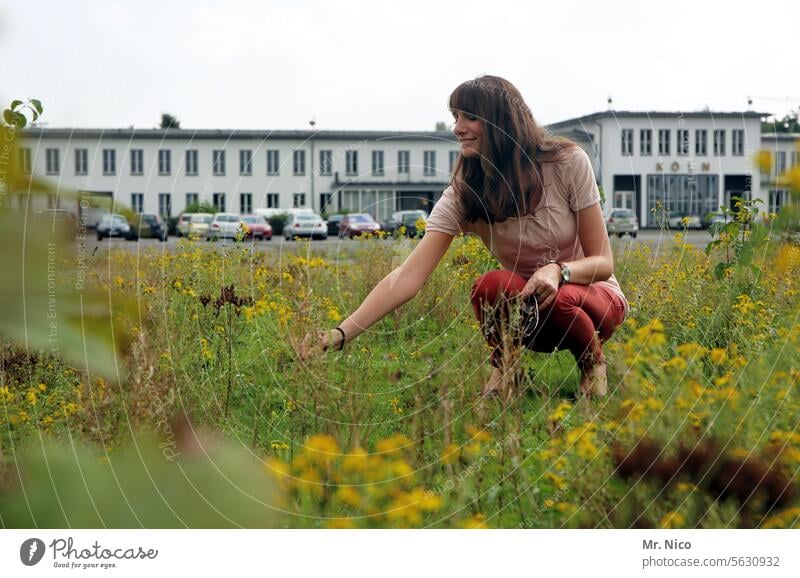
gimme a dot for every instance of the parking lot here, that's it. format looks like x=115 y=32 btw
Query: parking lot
x=334 y=245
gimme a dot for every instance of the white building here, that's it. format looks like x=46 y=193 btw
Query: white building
x=164 y=171
x=784 y=150
x=690 y=163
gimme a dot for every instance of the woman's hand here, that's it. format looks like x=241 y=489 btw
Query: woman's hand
x=318 y=342
x=544 y=285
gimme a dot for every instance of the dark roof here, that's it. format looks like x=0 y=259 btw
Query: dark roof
x=336 y=183
x=657 y=114
x=575 y=134
x=233 y=134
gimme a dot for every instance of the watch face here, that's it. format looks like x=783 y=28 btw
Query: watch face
x=565 y=273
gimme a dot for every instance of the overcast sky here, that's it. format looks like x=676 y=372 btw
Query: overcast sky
x=387 y=65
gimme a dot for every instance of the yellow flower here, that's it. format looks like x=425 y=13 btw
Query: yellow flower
x=450 y=454
x=355 y=461
x=349 y=496
x=392 y=444
x=333 y=314
x=322 y=448
x=718 y=356
x=340 y=524
x=476 y=522
x=479 y=435
x=672 y=520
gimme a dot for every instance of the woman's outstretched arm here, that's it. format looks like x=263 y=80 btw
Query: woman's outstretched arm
x=398 y=287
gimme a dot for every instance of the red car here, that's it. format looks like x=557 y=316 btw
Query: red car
x=257 y=227
x=357 y=224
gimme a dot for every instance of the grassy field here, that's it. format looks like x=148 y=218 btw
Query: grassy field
x=213 y=421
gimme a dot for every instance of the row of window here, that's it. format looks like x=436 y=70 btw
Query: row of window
x=218 y=200
x=683 y=145
x=780 y=161
x=218 y=162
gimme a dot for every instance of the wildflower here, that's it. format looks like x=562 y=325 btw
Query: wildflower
x=450 y=454
x=672 y=520
x=322 y=448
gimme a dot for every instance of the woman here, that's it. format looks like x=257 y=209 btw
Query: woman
x=534 y=202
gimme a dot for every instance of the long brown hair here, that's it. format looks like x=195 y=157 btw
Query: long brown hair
x=505 y=180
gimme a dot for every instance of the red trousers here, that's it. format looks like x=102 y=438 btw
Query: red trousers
x=580 y=319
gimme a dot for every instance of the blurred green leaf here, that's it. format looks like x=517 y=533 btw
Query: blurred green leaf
x=37 y=104
x=145 y=485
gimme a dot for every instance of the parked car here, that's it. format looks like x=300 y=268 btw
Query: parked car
x=333 y=223
x=357 y=224
x=305 y=225
x=226 y=225
x=407 y=219
x=183 y=224
x=622 y=222
x=257 y=227
x=684 y=220
x=199 y=224
x=112 y=225
x=147 y=227
x=60 y=221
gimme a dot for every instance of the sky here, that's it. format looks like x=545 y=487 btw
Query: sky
x=375 y=65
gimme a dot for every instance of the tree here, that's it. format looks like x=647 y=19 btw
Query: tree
x=788 y=123
x=441 y=125
x=169 y=121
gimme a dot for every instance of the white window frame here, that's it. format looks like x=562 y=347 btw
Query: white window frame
x=191 y=162
x=218 y=162
x=404 y=162
x=245 y=162
x=626 y=137
x=137 y=202
x=377 y=163
x=682 y=144
x=299 y=162
x=273 y=162
x=664 y=144
x=719 y=142
x=325 y=163
x=737 y=142
x=165 y=199
x=164 y=162
x=646 y=142
x=701 y=142
x=351 y=163
x=137 y=162
x=81 y=162
x=109 y=162
x=52 y=161
x=272 y=200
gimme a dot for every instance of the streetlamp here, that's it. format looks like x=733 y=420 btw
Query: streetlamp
x=312 y=123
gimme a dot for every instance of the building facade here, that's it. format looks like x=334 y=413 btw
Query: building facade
x=681 y=163
x=166 y=171
x=689 y=163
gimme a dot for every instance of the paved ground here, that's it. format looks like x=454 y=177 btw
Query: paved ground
x=656 y=239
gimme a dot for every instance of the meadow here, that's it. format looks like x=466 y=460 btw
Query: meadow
x=209 y=418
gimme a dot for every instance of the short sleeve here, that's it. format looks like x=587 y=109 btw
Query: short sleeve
x=447 y=215
x=583 y=191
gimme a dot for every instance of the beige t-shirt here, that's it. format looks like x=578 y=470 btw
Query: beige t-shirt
x=523 y=244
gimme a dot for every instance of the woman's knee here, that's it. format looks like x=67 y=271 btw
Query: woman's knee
x=489 y=286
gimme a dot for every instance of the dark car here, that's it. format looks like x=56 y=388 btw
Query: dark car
x=407 y=222
x=113 y=225
x=147 y=227
x=333 y=223
x=357 y=224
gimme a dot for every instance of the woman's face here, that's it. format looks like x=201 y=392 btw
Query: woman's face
x=469 y=131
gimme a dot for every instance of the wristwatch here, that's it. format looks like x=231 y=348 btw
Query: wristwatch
x=564 y=273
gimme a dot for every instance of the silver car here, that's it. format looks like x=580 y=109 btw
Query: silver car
x=198 y=225
x=305 y=225
x=226 y=225
x=622 y=222
x=113 y=225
